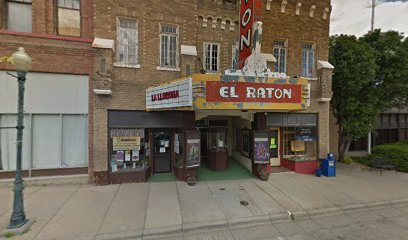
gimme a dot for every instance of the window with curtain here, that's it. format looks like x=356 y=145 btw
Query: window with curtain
x=211 y=57
x=49 y=141
x=8 y=147
x=280 y=52
x=19 y=15
x=168 y=46
x=74 y=140
x=69 y=18
x=127 y=42
x=308 y=59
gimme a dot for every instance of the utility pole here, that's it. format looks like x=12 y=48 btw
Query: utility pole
x=373 y=5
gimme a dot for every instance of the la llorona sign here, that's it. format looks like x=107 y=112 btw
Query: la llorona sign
x=253 y=92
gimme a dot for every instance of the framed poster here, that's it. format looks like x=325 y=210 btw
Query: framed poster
x=193 y=149
x=261 y=147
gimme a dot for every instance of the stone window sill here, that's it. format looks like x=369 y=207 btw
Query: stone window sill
x=126 y=65
x=311 y=78
x=168 y=69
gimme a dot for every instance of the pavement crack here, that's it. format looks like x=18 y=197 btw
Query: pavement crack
x=56 y=212
x=107 y=210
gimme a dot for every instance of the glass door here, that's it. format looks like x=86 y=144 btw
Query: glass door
x=274 y=147
x=162 y=151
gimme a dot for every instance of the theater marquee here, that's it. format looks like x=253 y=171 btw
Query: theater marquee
x=171 y=95
x=226 y=92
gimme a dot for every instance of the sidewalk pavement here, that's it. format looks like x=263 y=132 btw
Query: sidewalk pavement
x=155 y=210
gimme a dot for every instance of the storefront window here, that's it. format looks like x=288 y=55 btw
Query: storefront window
x=129 y=151
x=298 y=147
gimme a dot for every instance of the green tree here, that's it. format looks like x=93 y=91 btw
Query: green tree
x=391 y=58
x=355 y=99
x=370 y=76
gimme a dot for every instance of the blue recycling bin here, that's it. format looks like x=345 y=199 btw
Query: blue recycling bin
x=328 y=166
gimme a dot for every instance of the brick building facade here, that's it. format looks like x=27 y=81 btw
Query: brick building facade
x=56 y=103
x=94 y=61
x=173 y=41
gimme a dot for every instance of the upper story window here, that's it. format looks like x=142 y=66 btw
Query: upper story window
x=127 y=42
x=280 y=53
x=234 y=56
x=69 y=18
x=211 y=57
x=19 y=16
x=168 y=46
x=308 y=59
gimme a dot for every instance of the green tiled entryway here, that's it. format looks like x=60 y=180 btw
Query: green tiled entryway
x=234 y=172
x=162 y=177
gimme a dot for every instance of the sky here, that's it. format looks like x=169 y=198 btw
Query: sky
x=354 y=16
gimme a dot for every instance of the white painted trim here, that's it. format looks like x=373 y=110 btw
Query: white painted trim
x=324 y=65
x=124 y=65
x=168 y=69
x=102 y=91
x=324 y=99
x=311 y=78
x=103 y=43
x=188 y=50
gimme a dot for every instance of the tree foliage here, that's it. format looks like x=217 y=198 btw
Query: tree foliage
x=370 y=75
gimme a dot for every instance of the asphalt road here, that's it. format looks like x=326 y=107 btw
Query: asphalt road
x=389 y=223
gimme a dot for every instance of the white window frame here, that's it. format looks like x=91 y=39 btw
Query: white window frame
x=212 y=44
x=164 y=66
x=129 y=31
x=278 y=56
x=307 y=66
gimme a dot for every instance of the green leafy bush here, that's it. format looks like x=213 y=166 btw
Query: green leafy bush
x=393 y=153
x=348 y=160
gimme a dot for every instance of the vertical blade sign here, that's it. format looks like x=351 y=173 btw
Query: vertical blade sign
x=246 y=20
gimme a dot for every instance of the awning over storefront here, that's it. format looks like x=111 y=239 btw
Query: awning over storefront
x=229 y=92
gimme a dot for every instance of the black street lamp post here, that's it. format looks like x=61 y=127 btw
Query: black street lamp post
x=22 y=62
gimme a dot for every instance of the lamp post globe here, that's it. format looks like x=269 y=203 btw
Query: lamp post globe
x=22 y=62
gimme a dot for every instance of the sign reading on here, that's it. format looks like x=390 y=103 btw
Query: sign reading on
x=175 y=94
x=253 y=92
x=250 y=10
x=245 y=29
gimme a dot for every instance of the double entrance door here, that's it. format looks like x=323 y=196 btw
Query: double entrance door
x=162 y=151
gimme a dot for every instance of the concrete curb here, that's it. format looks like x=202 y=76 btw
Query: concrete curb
x=125 y=235
x=399 y=203
x=354 y=207
x=166 y=231
x=250 y=221
x=189 y=227
x=324 y=212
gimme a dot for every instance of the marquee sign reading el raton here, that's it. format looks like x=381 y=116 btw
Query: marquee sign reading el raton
x=253 y=92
